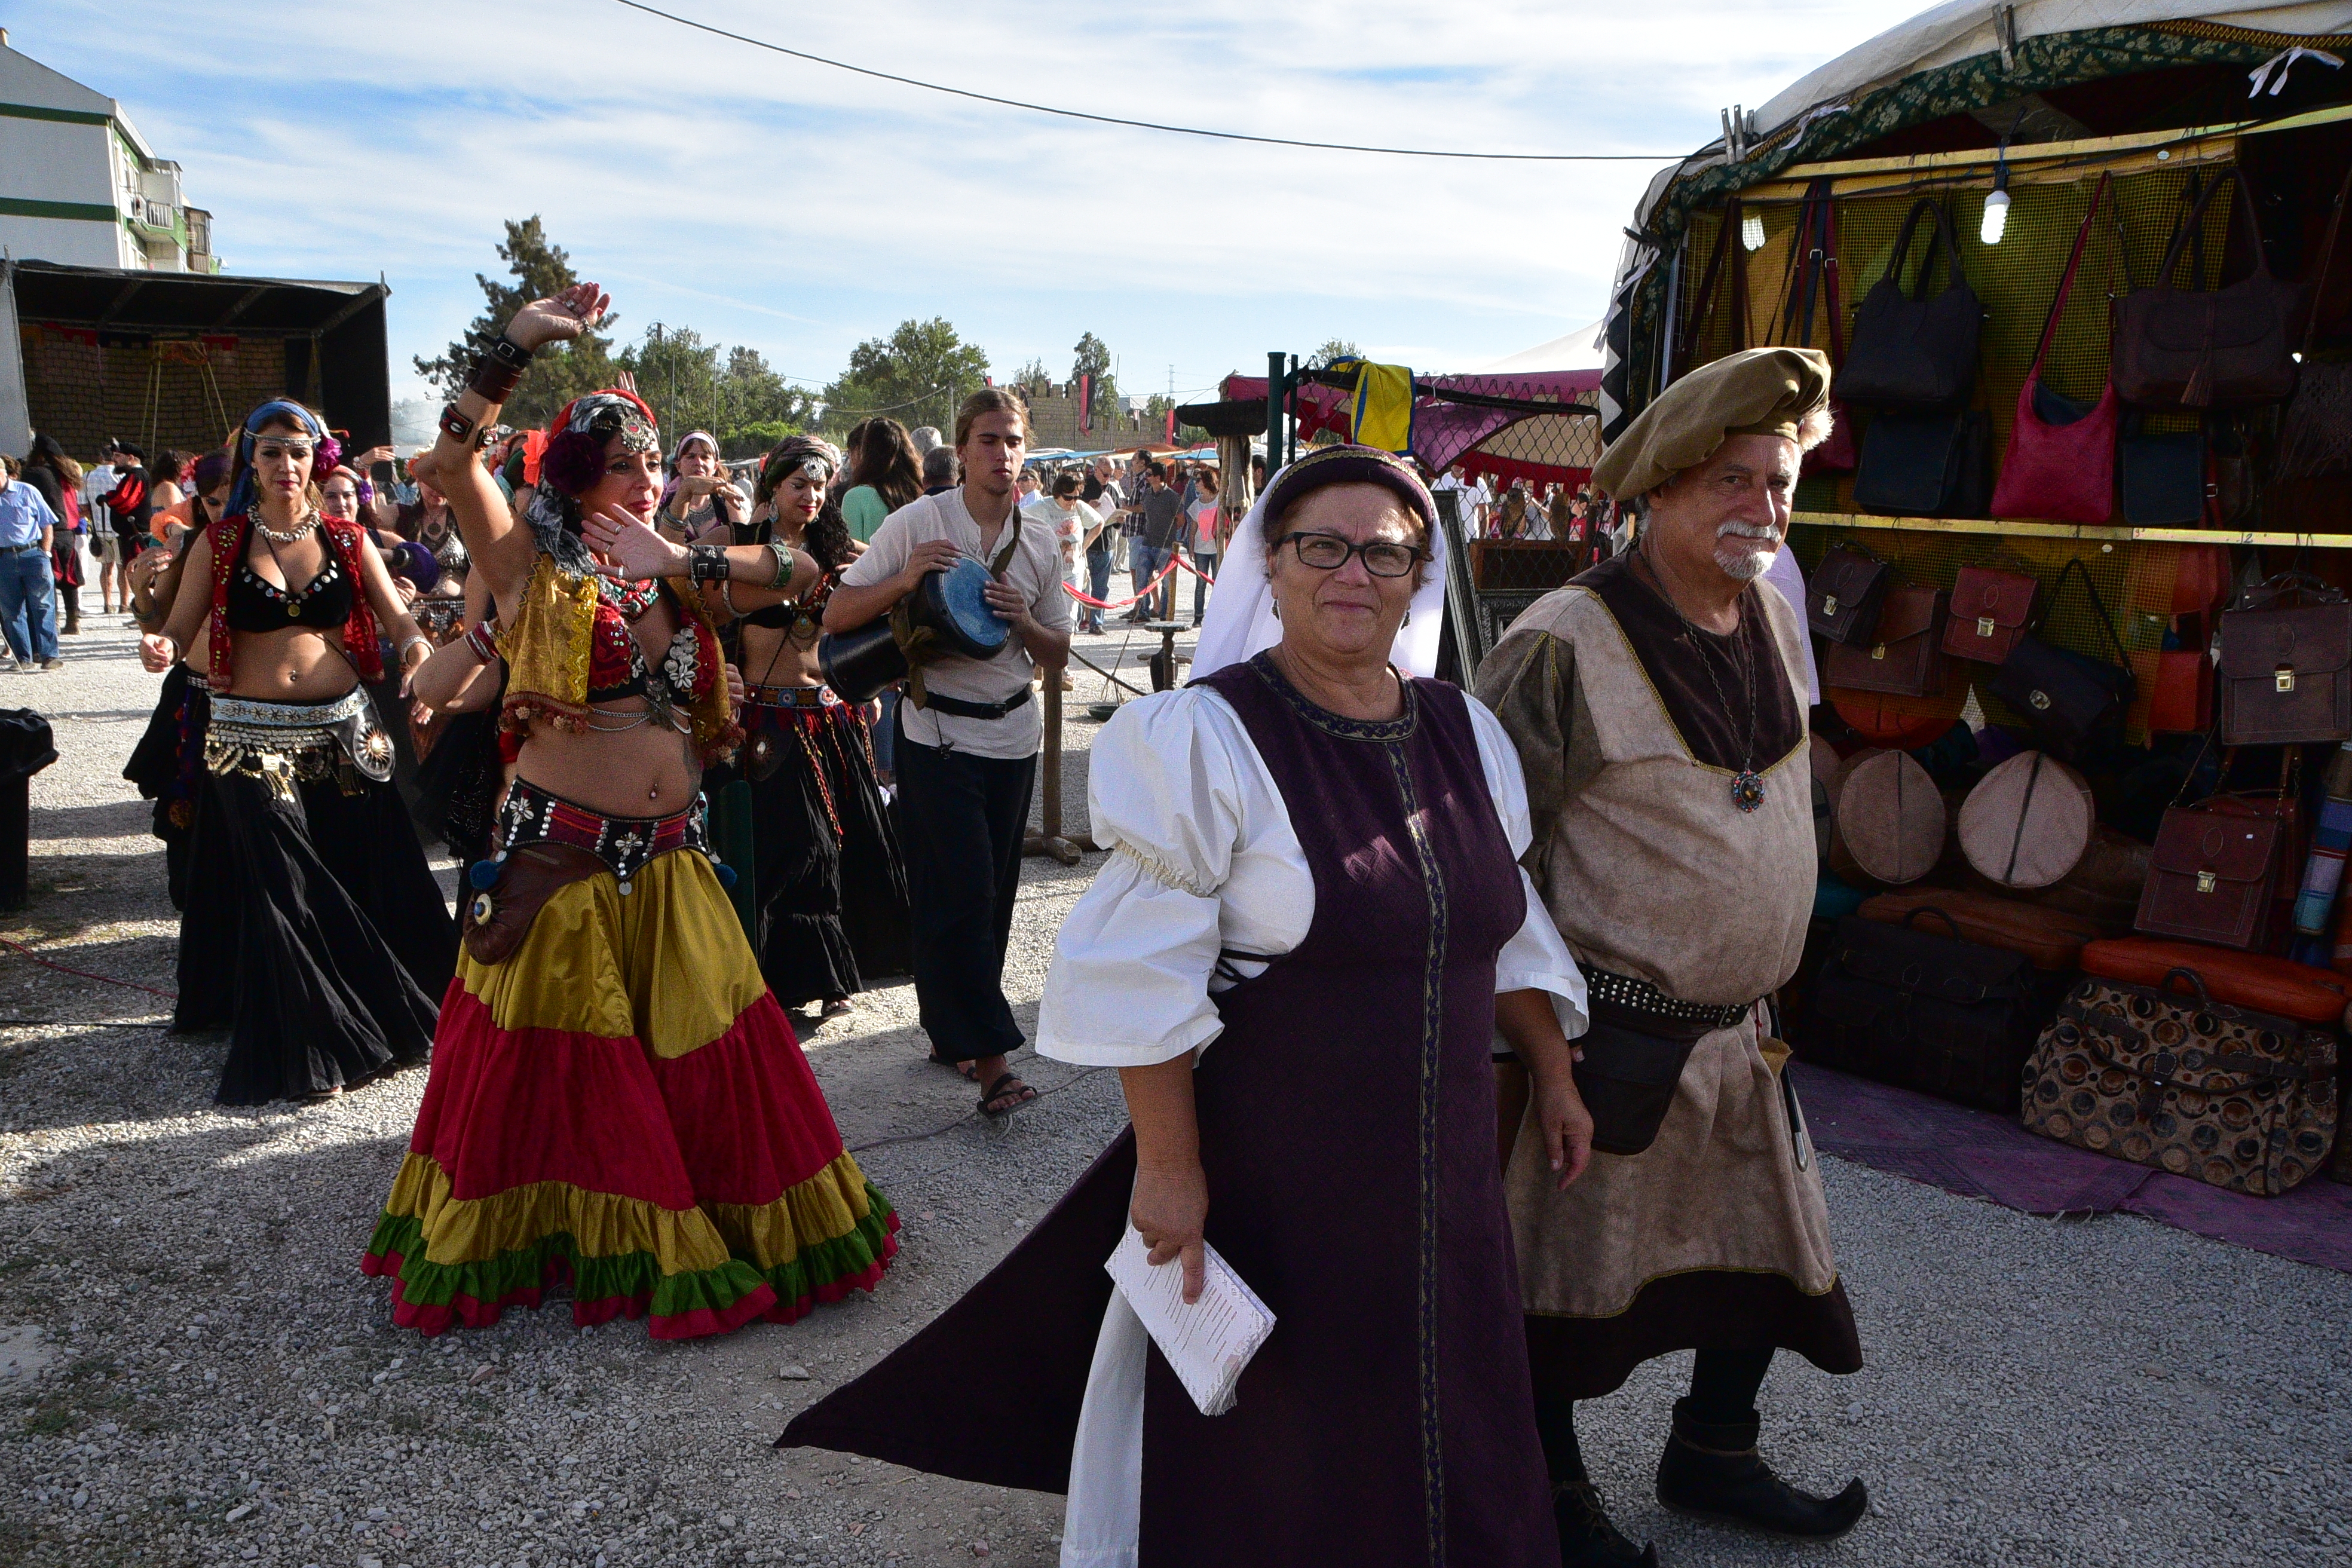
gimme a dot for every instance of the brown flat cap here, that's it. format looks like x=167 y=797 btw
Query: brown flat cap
x=1757 y=391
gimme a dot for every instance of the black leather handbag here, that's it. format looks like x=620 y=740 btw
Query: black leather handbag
x=1926 y=465
x=1911 y=352
x=1926 y=1011
x=2064 y=695
x=1844 y=595
x=2161 y=475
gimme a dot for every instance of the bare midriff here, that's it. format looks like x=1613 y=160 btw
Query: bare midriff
x=300 y=664
x=649 y=770
x=776 y=655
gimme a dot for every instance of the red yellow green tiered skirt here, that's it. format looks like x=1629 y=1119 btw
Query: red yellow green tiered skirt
x=621 y=1102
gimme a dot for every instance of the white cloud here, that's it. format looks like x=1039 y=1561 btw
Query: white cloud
x=768 y=201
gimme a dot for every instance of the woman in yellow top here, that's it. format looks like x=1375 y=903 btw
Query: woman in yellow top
x=615 y=1097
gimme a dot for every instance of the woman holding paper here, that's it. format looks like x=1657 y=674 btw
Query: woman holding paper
x=1311 y=925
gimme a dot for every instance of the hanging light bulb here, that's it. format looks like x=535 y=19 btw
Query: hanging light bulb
x=1996 y=207
x=1751 y=231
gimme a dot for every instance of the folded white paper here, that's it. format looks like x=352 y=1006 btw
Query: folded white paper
x=1208 y=1342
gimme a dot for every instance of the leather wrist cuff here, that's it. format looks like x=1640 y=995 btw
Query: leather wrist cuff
x=455 y=426
x=494 y=378
x=707 y=564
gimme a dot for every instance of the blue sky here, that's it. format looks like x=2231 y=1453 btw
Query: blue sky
x=766 y=201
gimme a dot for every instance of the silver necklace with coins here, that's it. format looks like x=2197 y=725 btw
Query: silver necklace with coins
x=1746 y=785
x=294 y=535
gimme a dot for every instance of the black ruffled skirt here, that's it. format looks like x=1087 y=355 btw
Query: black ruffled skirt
x=167 y=764
x=314 y=932
x=830 y=889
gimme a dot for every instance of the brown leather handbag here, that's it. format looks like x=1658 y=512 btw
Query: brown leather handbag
x=1902 y=657
x=2286 y=672
x=2196 y=347
x=1845 y=594
x=1990 y=611
x=2215 y=870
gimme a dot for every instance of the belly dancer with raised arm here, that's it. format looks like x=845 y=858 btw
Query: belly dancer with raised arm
x=617 y=1099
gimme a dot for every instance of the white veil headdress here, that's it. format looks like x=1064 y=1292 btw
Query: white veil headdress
x=1240 y=623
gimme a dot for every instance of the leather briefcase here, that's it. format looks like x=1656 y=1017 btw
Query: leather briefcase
x=2027 y=822
x=2193 y=348
x=2253 y=980
x=1903 y=656
x=2169 y=1076
x=1845 y=593
x=1910 y=352
x=1915 y=1006
x=2286 y=673
x=2214 y=871
x=2052 y=940
x=1990 y=611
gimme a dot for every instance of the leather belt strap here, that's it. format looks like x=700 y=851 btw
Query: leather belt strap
x=1625 y=994
x=963 y=709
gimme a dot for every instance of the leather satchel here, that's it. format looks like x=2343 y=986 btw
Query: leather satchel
x=2170 y=1077
x=2060 y=463
x=2065 y=695
x=2286 y=673
x=1845 y=593
x=1911 y=352
x=1926 y=465
x=2215 y=870
x=2052 y=940
x=1924 y=1009
x=1990 y=612
x=2195 y=348
x=2253 y=980
x=1904 y=658
x=496 y=919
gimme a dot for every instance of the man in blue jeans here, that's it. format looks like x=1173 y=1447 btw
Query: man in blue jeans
x=1163 y=528
x=28 y=601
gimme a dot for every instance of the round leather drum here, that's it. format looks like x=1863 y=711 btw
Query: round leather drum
x=858 y=663
x=1890 y=817
x=2028 y=822
x=950 y=604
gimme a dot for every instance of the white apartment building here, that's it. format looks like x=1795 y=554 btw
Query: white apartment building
x=78 y=184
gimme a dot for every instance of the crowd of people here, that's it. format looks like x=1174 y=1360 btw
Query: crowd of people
x=1488 y=1120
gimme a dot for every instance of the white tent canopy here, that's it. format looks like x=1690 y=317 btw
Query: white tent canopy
x=1577 y=350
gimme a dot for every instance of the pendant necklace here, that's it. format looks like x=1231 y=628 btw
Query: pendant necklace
x=1746 y=785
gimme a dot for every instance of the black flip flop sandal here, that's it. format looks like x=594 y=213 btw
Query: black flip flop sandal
x=961 y=1069
x=997 y=1091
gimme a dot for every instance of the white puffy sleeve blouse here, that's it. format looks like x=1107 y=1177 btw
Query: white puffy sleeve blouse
x=1204 y=860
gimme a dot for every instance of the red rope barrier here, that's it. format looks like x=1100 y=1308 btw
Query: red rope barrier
x=1122 y=603
x=86 y=974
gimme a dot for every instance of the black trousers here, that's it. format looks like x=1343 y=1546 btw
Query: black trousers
x=961 y=822
x=1724 y=1386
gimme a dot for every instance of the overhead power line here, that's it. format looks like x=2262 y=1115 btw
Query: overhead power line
x=1149 y=124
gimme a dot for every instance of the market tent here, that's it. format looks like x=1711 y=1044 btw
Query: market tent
x=1485 y=424
x=1962 y=75
x=1577 y=350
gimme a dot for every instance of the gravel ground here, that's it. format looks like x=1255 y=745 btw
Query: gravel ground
x=192 y=1369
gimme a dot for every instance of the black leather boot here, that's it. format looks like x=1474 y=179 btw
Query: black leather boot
x=1713 y=1472
x=1587 y=1539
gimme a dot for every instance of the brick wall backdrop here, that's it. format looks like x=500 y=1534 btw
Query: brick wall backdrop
x=153 y=392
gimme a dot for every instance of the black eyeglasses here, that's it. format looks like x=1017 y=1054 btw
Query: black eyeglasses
x=1328 y=552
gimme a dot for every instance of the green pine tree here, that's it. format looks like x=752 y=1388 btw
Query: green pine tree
x=559 y=374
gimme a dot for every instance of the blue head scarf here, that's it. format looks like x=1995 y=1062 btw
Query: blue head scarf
x=276 y=411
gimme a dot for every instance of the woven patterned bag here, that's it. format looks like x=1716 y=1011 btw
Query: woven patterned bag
x=2234 y=1097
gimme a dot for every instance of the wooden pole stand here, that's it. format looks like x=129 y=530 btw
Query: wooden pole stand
x=1050 y=841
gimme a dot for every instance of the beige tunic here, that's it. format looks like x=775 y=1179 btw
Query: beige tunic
x=1650 y=870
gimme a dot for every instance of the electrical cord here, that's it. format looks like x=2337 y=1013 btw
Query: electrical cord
x=1149 y=124
x=84 y=974
x=1079 y=1076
